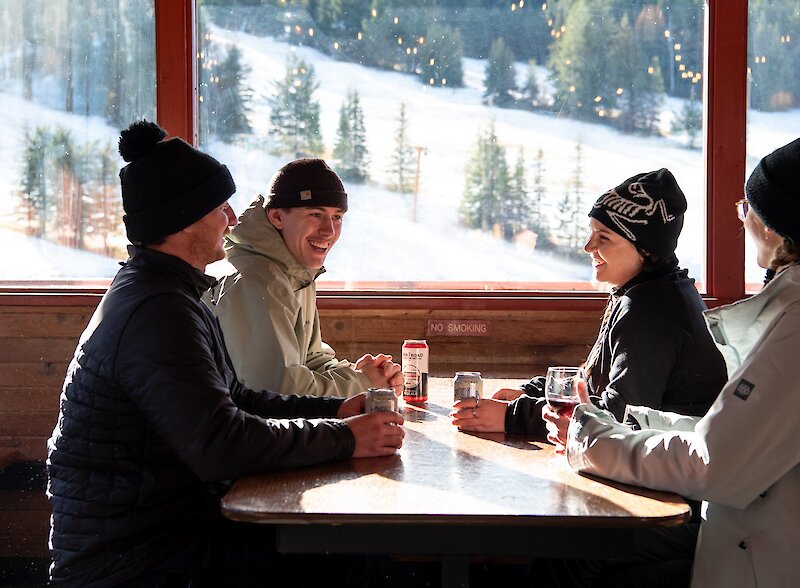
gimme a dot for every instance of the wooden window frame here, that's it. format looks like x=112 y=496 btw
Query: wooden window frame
x=724 y=103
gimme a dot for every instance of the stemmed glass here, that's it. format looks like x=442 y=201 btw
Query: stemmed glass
x=561 y=386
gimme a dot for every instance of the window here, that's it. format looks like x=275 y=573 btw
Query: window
x=473 y=137
x=73 y=73
x=773 y=120
x=141 y=22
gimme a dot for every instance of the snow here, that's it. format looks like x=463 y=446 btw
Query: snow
x=380 y=241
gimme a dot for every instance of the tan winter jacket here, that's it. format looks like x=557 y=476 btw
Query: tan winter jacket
x=742 y=458
x=266 y=305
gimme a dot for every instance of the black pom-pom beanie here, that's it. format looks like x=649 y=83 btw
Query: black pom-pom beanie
x=168 y=184
x=306 y=182
x=772 y=190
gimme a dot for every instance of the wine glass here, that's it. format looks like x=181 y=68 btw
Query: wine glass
x=561 y=386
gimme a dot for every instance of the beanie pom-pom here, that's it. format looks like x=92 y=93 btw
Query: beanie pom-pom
x=138 y=139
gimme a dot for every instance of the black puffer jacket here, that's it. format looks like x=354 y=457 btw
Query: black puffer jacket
x=153 y=422
x=655 y=351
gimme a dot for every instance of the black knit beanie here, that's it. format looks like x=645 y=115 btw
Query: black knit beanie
x=646 y=209
x=772 y=190
x=306 y=182
x=168 y=185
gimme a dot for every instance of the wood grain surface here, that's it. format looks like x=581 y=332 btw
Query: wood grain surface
x=442 y=475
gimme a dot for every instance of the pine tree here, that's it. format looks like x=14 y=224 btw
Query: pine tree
x=537 y=222
x=440 y=57
x=350 y=152
x=530 y=91
x=343 y=147
x=487 y=183
x=690 y=121
x=570 y=208
x=500 y=79
x=640 y=79
x=402 y=166
x=359 y=137
x=232 y=97
x=34 y=188
x=515 y=212
x=579 y=60
x=294 y=116
x=68 y=188
x=773 y=40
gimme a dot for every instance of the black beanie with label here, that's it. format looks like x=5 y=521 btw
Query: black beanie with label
x=167 y=184
x=646 y=209
x=773 y=191
x=306 y=182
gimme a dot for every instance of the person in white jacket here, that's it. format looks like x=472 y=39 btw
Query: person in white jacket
x=743 y=457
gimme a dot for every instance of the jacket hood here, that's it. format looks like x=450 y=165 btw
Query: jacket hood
x=737 y=325
x=255 y=235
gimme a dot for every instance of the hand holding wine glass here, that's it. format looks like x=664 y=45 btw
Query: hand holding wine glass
x=565 y=388
x=561 y=387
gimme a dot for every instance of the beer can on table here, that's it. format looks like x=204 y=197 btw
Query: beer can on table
x=380 y=400
x=415 y=370
x=467 y=385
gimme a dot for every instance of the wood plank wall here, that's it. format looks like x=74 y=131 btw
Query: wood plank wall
x=37 y=343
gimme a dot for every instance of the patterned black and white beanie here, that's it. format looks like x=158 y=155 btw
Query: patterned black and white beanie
x=647 y=210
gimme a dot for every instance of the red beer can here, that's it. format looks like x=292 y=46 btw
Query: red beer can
x=415 y=370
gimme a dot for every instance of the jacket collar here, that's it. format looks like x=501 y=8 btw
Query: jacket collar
x=739 y=326
x=667 y=270
x=255 y=235
x=171 y=267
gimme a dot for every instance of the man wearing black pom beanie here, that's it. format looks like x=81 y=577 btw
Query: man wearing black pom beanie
x=267 y=301
x=153 y=421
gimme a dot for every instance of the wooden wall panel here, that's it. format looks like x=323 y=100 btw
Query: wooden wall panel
x=38 y=342
x=518 y=344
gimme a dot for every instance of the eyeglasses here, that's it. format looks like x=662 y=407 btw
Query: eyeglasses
x=742 y=208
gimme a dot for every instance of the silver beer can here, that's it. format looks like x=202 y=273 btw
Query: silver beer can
x=380 y=400
x=467 y=385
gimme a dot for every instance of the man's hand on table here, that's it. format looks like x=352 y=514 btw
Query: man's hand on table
x=482 y=416
x=381 y=371
x=377 y=433
x=352 y=406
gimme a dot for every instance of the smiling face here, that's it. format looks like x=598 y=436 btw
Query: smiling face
x=309 y=233
x=615 y=260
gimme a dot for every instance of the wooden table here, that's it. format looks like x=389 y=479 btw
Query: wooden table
x=452 y=494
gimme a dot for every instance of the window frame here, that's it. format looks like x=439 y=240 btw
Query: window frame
x=725 y=115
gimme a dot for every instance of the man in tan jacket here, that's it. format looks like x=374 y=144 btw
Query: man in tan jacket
x=266 y=302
